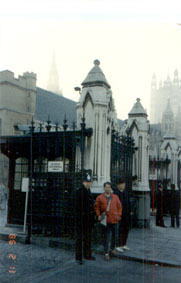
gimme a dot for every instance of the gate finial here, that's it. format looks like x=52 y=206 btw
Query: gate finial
x=65 y=126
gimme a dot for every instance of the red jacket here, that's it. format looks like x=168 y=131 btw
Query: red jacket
x=115 y=211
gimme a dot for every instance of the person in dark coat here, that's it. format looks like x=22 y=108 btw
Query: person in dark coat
x=124 y=224
x=160 y=206
x=174 y=206
x=85 y=216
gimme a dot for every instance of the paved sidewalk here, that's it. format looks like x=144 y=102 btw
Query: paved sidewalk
x=156 y=245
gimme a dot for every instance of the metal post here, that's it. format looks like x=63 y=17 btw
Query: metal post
x=28 y=239
x=65 y=126
x=82 y=143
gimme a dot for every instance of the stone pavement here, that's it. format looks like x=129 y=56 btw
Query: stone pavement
x=156 y=245
x=19 y=262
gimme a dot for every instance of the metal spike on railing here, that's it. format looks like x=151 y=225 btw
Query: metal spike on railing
x=56 y=127
x=73 y=125
x=65 y=125
x=32 y=127
x=40 y=127
x=48 y=126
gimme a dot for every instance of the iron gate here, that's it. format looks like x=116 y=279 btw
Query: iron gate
x=122 y=151
x=51 y=208
x=50 y=197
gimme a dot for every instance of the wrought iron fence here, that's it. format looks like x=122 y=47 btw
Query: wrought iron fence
x=122 y=151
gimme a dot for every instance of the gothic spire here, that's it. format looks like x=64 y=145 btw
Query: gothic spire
x=53 y=82
x=154 y=82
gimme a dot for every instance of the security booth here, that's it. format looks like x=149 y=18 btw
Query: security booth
x=46 y=157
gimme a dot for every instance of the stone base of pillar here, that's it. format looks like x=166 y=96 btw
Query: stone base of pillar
x=142 y=209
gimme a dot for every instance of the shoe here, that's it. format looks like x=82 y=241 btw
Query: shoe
x=107 y=257
x=119 y=249
x=126 y=248
x=113 y=252
x=90 y=257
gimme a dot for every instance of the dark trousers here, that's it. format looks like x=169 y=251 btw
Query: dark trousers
x=159 y=218
x=173 y=218
x=109 y=232
x=83 y=241
x=123 y=230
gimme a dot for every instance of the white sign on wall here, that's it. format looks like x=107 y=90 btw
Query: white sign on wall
x=55 y=166
x=25 y=185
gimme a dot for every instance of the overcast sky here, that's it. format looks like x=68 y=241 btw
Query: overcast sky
x=131 y=38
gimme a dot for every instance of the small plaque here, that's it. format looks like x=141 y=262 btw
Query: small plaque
x=55 y=166
x=25 y=185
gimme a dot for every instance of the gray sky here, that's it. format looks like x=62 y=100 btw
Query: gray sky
x=132 y=39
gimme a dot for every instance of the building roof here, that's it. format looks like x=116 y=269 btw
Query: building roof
x=95 y=76
x=49 y=104
x=155 y=128
x=137 y=109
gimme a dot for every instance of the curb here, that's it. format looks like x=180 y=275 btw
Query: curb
x=148 y=261
x=69 y=244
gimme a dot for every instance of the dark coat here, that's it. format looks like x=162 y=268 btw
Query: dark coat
x=84 y=205
x=160 y=201
x=174 y=202
x=126 y=204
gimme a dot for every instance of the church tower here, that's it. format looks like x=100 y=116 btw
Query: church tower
x=53 y=82
x=168 y=121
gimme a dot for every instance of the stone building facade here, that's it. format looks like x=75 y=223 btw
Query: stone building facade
x=17 y=106
x=160 y=93
x=17 y=100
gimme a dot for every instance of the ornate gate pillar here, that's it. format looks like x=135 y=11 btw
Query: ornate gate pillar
x=97 y=106
x=138 y=126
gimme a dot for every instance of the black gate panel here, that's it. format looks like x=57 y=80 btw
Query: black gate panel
x=52 y=204
x=18 y=207
x=122 y=149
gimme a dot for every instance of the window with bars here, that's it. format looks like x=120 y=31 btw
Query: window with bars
x=21 y=170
